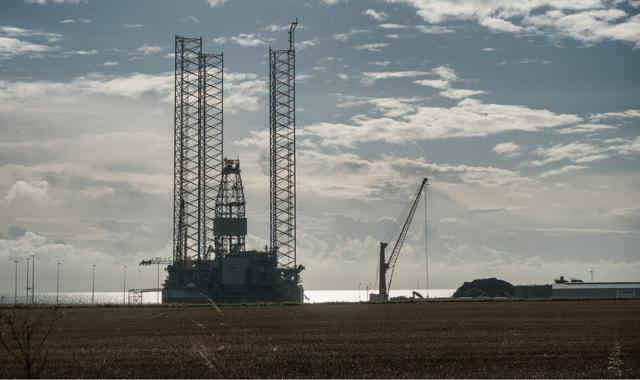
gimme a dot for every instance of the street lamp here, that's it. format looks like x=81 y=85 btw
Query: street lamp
x=26 y=300
x=58 y=284
x=124 y=284
x=158 y=285
x=33 y=279
x=15 y=289
x=359 y=286
x=93 y=283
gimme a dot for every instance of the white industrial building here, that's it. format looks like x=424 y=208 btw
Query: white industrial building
x=595 y=289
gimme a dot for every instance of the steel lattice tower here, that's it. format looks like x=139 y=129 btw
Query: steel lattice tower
x=212 y=73
x=230 y=220
x=197 y=147
x=282 y=144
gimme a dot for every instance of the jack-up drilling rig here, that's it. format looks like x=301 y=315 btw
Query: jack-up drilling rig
x=384 y=265
x=210 y=262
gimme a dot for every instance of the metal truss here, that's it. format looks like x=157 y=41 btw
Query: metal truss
x=282 y=85
x=197 y=146
x=212 y=73
x=230 y=220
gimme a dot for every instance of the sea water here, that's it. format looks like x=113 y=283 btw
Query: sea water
x=311 y=296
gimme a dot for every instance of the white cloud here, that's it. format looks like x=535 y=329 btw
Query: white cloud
x=508 y=148
x=628 y=114
x=348 y=176
x=216 y=3
x=45 y=2
x=426 y=29
x=347 y=35
x=242 y=91
x=75 y=21
x=561 y=231
x=499 y=25
x=244 y=94
x=333 y=2
x=562 y=170
x=277 y=28
x=148 y=49
x=75 y=262
x=380 y=63
x=455 y=93
x=244 y=40
x=191 y=19
x=374 y=47
x=587 y=21
x=585 y=128
x=433 y=29
x=14 y=31
x=378 y=16
x=527 y=61
x=469 y=118
x=626 y=147
x=10 y=47
x=307 y=43
x=369 y=78
x=435 y=83
x=393 y=26
x=343 y=76
x=448 y=75
x=574 y=152
x=452 y=220
x=80 y=52
x=111 y=63
x=132 y=26
x=37 y=191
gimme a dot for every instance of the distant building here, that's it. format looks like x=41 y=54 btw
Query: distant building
x=532 y=291
x=575 y=288
x=595 y=290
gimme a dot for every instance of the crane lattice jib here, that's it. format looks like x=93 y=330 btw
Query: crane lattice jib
x=403 y=233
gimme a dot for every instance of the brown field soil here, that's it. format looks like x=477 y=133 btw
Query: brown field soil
x=535 y=339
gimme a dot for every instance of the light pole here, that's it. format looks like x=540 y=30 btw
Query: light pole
x=426 y=241
x=124 y=284
x=58 y=284
x=15 y=289
x=359 y=296
x=33 y=279
x=93 y=283
x=158 y=292
x=26 y=300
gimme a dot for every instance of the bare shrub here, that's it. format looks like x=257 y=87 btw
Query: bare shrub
x=24 y=333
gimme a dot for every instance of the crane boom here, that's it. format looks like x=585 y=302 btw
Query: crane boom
x=157 y=260
x=391 y=263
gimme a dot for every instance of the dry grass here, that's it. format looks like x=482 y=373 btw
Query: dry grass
x=457 y=339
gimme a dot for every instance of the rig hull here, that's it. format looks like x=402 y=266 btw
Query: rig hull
x=245 y=277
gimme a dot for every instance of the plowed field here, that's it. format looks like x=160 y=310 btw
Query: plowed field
x=549 y=339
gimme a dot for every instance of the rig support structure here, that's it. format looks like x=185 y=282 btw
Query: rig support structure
x=198 y=152
x=230 y=223
x=282 y=149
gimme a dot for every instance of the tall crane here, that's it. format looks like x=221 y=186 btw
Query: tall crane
x=393 y=258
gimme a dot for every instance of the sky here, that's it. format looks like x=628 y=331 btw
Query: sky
x=524 y=115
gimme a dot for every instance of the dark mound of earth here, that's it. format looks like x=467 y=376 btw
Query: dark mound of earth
x=485 y=287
